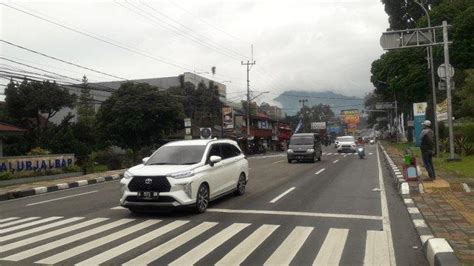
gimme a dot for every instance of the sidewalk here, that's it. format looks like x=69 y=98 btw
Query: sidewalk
x=447 y=208
x=48 y=183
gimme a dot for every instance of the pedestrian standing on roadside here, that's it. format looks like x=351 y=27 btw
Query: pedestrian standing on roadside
x=427 y=148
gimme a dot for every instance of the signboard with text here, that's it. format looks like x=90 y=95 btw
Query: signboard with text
x=228 y=117
x=442 y=111
x=318 y=125
x=36 y=162
x=419 y=113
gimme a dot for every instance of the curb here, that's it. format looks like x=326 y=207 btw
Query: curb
x=57 y=187
x=437 y=250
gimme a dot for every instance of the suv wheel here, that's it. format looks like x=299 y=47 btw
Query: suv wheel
x=241 y=185
x=289 y=160
x=202 y=199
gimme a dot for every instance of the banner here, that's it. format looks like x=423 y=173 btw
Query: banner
x=419 y=113
x=442 y=111
x=318 y=125
x=351 y=118
x=228 y=117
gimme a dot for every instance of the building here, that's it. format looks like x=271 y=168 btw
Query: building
x=101 y=91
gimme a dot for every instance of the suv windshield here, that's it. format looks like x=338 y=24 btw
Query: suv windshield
x=346 y=139
x=177 y=155
x=301 y=141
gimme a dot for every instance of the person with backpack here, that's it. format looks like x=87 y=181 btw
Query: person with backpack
x=427 y=148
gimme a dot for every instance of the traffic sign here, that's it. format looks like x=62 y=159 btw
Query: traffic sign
x=442 y=85
x=390 y=40
x=442 y=71
x=384 y=105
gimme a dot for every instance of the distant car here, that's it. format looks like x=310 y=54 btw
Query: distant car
x=304 y=146
x=185 y=173
x=346 y=144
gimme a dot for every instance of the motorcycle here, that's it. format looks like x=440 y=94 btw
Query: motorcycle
x=361 y=152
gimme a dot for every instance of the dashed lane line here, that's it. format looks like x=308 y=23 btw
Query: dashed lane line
x=335 y=161
x=282 y=195
x=320 y=171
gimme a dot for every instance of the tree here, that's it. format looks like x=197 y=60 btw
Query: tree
x=138 y=115
x=316 y=113
x=34 y=103
x=85 y=106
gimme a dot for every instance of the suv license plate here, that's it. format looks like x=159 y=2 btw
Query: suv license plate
x=148 y=195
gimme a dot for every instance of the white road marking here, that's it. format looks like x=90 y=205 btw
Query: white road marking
x=306 y=214
x=8 y=219
x=335 y=161
x=320 y=171
x=329 y=153
x=345 y=155
x=163 y=249
x=282 y=195
x=209 y=245
x=18 y=221
x=285 y=253
x=136 y=242
x=66 y=197
x=370 y=153
x=386 y=218
x=96 y=243
x=331 y=250
x=21 y=226
x=118 y=208
x=278 y=161
x=39 y=229
x=376 y=248
x=61 y=231
x=466 y=187
x=24 y=254
x=237 y=255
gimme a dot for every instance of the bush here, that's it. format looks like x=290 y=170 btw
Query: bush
x=110 y=158
x=38 y=151
x=464 y=138
x=72 y=168
x=5 y=175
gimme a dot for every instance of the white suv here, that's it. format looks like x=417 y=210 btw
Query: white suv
x=185 y=173
x=346 y=144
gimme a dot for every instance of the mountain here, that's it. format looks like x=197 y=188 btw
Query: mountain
x=290 y=105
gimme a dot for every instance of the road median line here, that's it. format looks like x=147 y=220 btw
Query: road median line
x=320 y=171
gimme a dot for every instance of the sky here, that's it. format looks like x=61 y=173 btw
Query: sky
x=312 y=45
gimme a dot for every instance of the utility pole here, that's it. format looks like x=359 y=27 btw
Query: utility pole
x=448 y=91
x=433 y=85
x=248 y=64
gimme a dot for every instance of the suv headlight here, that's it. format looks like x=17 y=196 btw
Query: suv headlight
x=290 y=151
x=310 y=150
x=183 y=174
x=127 y=175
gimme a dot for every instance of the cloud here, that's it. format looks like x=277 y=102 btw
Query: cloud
x=309 y=45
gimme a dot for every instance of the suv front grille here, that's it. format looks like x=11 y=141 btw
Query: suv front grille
x=158 y=184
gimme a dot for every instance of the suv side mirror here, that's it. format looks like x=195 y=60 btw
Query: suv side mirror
x=144 y=160
x=214 y=159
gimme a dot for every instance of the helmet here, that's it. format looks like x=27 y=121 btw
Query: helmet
x=426 y=123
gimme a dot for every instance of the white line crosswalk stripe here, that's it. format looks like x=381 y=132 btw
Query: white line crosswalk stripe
x=4 y=220
x=50 y=234
x=39 y=229
x=290 y=246
x=169 y=246
x=18 y=221
x=376 y=248
x=331 y=251
x=209 y=245
x=21 y=226
x=246 y=247
x=145 y=241
x=111 y=253
x=96 y=243
x=61 y=242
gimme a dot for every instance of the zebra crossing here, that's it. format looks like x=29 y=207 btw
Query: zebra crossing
x=94 y=241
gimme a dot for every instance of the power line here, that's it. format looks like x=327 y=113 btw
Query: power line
x=193 y=31
x=37 y=68
x=58 y=59
x=95 y=38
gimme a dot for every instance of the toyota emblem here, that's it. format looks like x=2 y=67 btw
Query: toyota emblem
x=148 y=181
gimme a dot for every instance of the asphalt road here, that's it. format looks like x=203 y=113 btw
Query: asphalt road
x=336 y=211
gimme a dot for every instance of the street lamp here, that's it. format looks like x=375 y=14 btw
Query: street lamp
x=433 y=87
